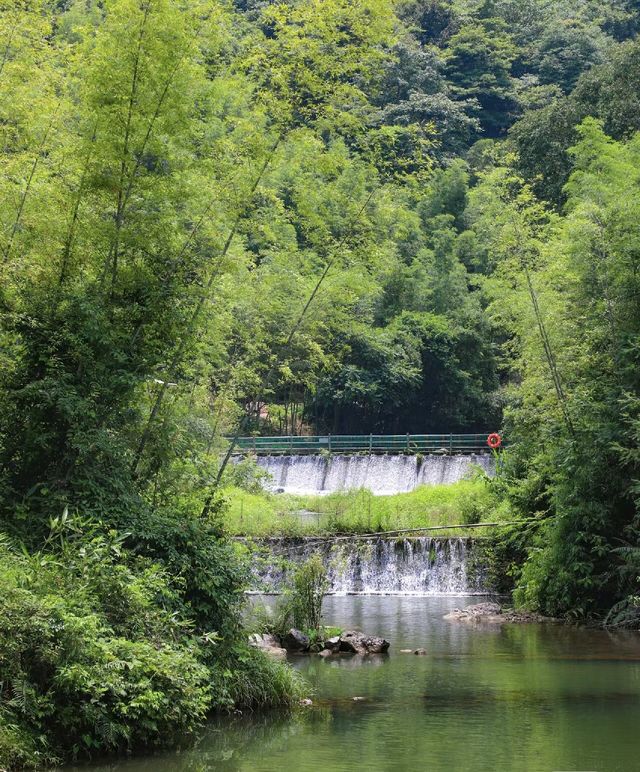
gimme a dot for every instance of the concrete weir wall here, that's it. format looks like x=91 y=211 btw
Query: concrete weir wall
x=381 y=474
x=380 y=566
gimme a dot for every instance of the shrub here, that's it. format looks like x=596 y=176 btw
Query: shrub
x=248 y=475
x=71 y=685
x=302 y=603
x=99 y=650
x=212 y=579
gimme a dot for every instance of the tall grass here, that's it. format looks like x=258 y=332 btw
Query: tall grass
x=359 y=511
x=259 y=682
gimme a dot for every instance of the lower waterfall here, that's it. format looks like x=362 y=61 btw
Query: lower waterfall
x=379 y=566
x=381 y=474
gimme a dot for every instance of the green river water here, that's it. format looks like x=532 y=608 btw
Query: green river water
x=517 y=698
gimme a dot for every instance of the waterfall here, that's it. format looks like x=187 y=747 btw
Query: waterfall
x=381 y=474
x=379 y=566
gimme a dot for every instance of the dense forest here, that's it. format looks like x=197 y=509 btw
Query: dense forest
x=336 y=216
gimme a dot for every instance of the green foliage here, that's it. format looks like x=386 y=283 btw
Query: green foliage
x=574 y=413
x=247 y=475
x=225 y=217
x=479 y=59
x=543 y=137
x=102 y=650
x=565 y=52
x=193 y=550
x=92 y=655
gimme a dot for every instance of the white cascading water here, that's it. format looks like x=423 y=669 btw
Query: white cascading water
x=379 y=566
x=382 y=475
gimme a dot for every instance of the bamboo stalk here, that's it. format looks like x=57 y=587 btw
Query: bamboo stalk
x=119 y=214
x=546 y=344
x=27 y=190
x=68 y=244
x=7 y=49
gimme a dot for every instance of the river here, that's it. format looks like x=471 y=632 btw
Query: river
x=512 y=698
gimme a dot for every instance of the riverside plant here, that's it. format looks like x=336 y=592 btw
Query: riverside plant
x=302 y=604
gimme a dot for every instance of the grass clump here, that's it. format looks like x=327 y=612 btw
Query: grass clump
x=303 y=600
x=255 y=681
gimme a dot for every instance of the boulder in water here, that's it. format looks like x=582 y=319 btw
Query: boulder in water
x=355 y=642
x=420 y=652
x=296 y=640
x=332 y=644
x=269 y=644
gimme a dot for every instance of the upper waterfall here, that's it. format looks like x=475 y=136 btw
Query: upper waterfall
x=381 y=474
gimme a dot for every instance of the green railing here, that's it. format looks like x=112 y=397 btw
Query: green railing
x=365 y=443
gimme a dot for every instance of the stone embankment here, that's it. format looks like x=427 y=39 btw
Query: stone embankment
x=297 y=642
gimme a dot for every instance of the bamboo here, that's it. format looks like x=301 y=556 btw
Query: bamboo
x=27 y=190
x=551 y=360
x=182 y=345
x=68 y=244
x=7 y=49
x=119 y=214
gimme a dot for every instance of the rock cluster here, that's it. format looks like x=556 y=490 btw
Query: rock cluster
x=295 y=641
x=358 y=643
x=492 y=613
x=484 y=611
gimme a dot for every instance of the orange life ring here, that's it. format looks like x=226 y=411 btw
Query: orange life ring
x=494 y=440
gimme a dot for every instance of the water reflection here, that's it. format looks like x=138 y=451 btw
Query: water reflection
x=514 y=698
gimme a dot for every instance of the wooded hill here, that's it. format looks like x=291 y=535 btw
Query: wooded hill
x=347 y=216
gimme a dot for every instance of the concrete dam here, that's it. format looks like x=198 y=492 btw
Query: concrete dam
x=381 y=474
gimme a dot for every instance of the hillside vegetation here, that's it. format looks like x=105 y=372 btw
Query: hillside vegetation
x=222 y=217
